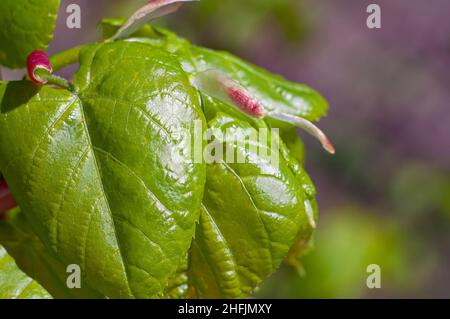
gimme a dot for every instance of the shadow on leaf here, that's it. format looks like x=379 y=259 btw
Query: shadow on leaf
x=17 y=93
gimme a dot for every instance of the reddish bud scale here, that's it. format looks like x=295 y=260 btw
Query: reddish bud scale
x=38 y=60
x=7 y=201
x=244 y=101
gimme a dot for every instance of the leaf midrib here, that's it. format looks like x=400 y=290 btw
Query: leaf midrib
x=102 y=188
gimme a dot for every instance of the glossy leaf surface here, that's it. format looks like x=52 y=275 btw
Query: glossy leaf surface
x=103 y=176
x=274 y=92
x=251 y=214
x=32 y=257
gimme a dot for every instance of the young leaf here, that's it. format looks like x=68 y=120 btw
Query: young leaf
x=307 y=126
x=26 y=25
x=218 y=85
x=152 y=10
x=251 y=215
x=110 y=26
x=106 y=180
x=104 y=176
x=274 y=92
x=309 y=104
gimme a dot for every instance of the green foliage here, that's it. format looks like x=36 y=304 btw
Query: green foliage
x=26 y=25
x=14 y=284
x=105 y=180
x=32 y=257
x=115 y=184
x=250 y=217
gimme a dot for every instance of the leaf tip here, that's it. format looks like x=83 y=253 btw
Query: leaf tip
x=327 y=145
x=308 y=127
x=310 y=215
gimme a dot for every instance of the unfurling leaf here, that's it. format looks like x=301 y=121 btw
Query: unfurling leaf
x=152 y=10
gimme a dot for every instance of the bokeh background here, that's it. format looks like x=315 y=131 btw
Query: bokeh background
x=385 y=196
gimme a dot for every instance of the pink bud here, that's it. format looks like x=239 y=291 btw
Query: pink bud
x=242 y=99
x=7 y=201
x=38 y=60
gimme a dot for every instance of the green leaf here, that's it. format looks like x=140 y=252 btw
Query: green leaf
x=177 y=286
x=292 y=152
x=294 y=144
x=103 y=176
x=35 y=260
x=275 y=92
x=26 y=25
x=252 y=213
x=14 y=284
x=303 y=244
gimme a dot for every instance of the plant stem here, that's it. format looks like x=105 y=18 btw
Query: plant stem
x=64 y=58
x=53 y=79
